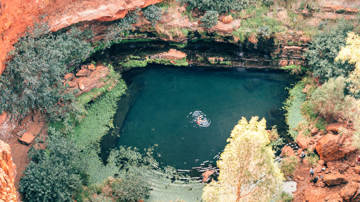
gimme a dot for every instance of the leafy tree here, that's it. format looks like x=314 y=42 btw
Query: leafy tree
x=53 y=174
x=247 y=168
x=33 y=77
x=330 y=102
x=351 y=53
x=152 y=13
x=324 y=49
x=210 y=19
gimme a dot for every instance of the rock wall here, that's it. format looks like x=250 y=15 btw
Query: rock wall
x=7 y=174
x=17 y=15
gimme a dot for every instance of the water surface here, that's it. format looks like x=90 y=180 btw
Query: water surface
x=164 y=101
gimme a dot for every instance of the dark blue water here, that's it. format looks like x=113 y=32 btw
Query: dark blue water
x=164 y=97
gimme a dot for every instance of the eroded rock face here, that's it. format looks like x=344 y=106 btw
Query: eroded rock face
x=172 y=54
x=87 y=78
x=7 y=174
x=99 y=10
x=17 y=15
x=334 y=147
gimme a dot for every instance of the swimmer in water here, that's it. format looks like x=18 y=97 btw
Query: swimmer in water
x=199 y=120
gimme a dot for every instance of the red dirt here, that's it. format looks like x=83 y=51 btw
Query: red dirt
x=19 y=151
x=314 y=192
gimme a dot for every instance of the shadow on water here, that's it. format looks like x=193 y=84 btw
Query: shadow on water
x=109 y=141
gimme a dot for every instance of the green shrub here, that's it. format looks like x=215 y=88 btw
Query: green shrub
x=293 y=107
x=117 y=31
x=99 y=117
x=321 y=124
x=329 y=100
x=294 y=69
x=324 y=49
x=130 y=187
x=307 y=109
x=285 y=197
x=259 y=24
x=53 y=174
x=88 y=133
x=152 y=13
x=288 y=165
x=130 y=183
x=312 y=158
x=210 y=19
x=33 y=77
x=223 y=6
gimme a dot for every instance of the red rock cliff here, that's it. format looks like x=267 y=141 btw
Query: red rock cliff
x=17 y=15
x=7 y=174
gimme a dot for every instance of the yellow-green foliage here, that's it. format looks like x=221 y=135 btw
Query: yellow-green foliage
x=312 y=158
x=247 y=168
x=351 y=53
x=288 y=165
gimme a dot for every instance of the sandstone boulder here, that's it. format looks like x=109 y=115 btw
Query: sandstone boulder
x=7 y=174
x=226 y=28
x=227 y=19
x=69 y=76
x=3 y=117
x=335 y=127
x=27 y=138
x=356 y=170
x=283 y=63
x=334 y=147
x=91 y=67
x=70 y=84
x=314 y=131
x=172 y=54
x=83 y=73
x=93 y=80
x=206 y=175
x=303 y=141
x=287 y=151
x=334 y=179
x=349 y=191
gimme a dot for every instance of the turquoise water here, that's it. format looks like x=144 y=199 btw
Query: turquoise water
x=167 y=101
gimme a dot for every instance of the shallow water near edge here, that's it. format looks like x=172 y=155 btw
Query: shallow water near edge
x=165 y=99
